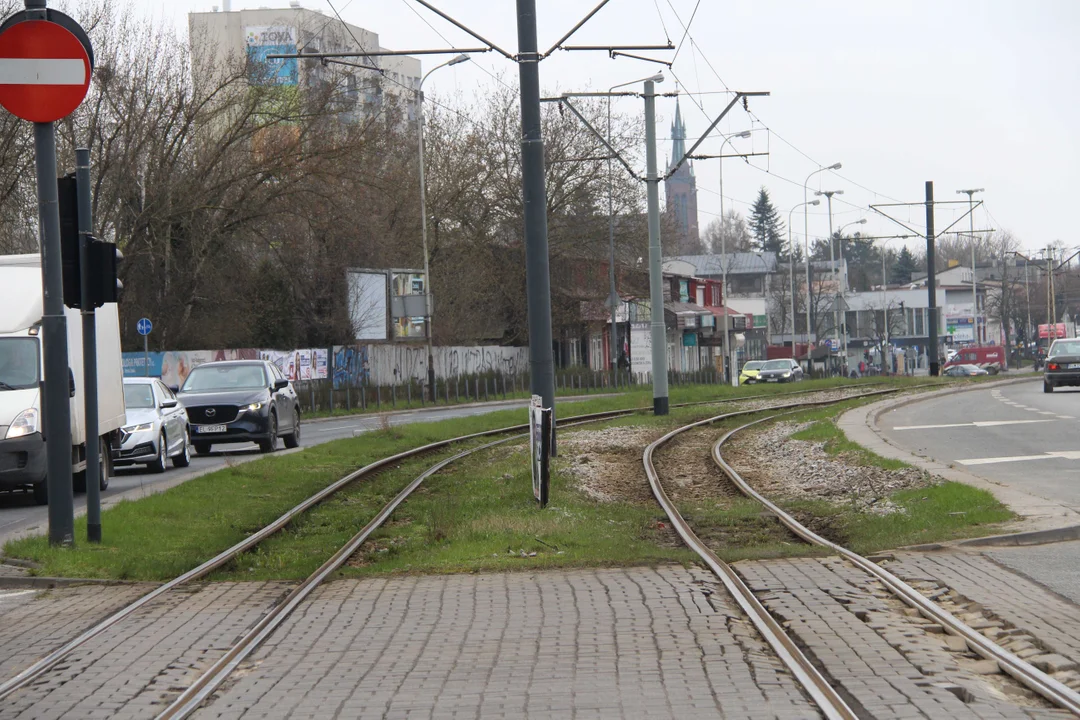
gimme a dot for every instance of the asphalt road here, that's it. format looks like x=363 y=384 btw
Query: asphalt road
x=19 y=515
x=1014 y=434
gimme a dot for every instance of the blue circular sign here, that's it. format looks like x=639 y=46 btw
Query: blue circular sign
x=144 y=326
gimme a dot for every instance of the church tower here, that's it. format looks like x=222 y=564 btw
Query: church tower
x=680 y=190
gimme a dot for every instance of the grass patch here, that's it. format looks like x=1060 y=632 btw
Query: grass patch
x=938 y=513
x=836 y=443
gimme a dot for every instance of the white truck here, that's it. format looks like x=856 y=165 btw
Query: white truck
x=22 y=448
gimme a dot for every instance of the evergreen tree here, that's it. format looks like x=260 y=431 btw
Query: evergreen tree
x=766 y=229
x=903 y=267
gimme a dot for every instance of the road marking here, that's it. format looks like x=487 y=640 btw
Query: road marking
x=1066 y=417
x=5 y=596
x=977 y=423
x=1047 y=412
x=1059 y=454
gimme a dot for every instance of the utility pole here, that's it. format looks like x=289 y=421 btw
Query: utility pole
x=534 y=194
x=931 y=280
x=656 y=279
x=835 y=271
x=806 y=239
x=974 y=280
x=729 y=366
x=89 y=333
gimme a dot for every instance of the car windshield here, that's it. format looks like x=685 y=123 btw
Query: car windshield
x=753 y=365
x=776 y=365
x=1070 y=347
x=225 y=377
x=138 y=396
x=19 y=363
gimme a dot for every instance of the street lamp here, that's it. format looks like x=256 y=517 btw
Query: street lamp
x=723 y=256
x=613 y=297
x=423 y=216
x=974 y=282
x=884 y=309
x=791 y=270
x=806 y=239
x=832 y=259
x=844 y=284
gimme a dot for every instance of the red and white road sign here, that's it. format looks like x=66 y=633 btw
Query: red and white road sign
x=44 y=71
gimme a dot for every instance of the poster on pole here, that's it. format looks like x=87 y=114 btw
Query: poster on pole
x=539 y=448
x=641 y=348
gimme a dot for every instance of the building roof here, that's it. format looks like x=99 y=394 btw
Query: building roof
x=737 y=263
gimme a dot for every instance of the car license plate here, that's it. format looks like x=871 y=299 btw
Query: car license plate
x=1074 y=366
x=204 y=429
x=772 y=379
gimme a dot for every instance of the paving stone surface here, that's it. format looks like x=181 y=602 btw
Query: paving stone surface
x=888 y=660
x=128 y=671
x=619 y=643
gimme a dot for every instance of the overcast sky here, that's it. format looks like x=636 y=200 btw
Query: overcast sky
x=967 y=93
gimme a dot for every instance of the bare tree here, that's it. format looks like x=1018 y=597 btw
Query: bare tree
x=729 y=233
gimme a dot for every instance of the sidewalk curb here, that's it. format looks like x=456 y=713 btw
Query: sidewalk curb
x=509 y=404
x=45 y=583
x=1041 y=520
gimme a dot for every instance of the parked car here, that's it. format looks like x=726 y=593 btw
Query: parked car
x=964 y=371
x=156 y=429
x=239 y=401
x=786 y=370
x=1062 y=364
x=749 y=373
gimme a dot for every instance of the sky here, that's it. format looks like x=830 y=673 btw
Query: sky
x=965 y=93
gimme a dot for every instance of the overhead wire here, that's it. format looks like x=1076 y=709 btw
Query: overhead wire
x=686 y=30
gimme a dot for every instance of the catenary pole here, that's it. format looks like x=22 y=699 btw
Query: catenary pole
x=656 y=278
x=57 y=409
x=534 y=195
x=806 y=239
x=89 y=338
x=931 y=280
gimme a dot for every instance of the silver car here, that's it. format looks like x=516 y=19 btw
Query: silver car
x=157 y=427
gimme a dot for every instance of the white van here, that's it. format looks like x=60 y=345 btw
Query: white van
x=22 y=449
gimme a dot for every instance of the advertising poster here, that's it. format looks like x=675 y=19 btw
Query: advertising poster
x=640 y=348
x=261 y=41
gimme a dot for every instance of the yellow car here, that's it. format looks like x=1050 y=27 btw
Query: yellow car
x=750 y=371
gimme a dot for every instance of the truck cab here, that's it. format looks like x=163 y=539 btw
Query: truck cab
x=22 y=438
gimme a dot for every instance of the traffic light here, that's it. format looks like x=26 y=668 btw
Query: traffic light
x=102 y=258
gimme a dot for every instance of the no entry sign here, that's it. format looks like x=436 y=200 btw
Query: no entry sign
x=44 y=71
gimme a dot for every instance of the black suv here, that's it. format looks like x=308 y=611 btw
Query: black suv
x=240 y=401
x=1062 y=364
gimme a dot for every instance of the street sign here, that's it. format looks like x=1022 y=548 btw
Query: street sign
x=144 y=326
x=44 y=71
x=539 y=448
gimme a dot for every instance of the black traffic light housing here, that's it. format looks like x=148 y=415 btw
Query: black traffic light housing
x=103 y=258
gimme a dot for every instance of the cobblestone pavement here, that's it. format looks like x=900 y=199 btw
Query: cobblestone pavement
x=633 y=643
x=891 y=662
x=130 y=669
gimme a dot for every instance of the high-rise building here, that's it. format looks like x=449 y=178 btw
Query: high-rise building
x=249 y=36
x=680 y=190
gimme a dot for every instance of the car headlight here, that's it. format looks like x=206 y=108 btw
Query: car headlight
x=787 y=374
x=25 y=423
x=141 y=427
x=252 y=407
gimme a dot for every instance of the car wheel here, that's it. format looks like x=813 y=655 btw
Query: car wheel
x=269 y=445
x=202 y=448
x=1047 y=387
x=104 y=468
x=292 y=440
x=159 y=464
x=184 y=458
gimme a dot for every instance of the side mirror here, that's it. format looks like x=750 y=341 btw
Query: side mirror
x=174 y=388
x=169 y=404
x=281 y=384
x=71 y=383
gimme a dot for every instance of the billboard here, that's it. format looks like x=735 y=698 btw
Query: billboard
x=1057 y=330
x=641 y=348
x=263 y=40
x=368 y=311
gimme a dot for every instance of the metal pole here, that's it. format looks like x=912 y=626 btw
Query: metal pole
x=1027 y=297
x=612 y=296
x=54 y=339
x=832 y=260
x=146 y=355
x=656 y=279
x=729 y=374
x=806 y=238
x=931 y=280
x=89 y=333
x=534 y=195
x=974 y=278
x=884 y=308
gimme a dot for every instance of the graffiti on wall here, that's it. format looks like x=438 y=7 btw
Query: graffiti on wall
x=350 y=365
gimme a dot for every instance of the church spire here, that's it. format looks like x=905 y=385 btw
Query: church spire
x=678 y=135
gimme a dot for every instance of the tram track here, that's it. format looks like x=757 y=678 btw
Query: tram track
x=820 y=689
x=204 y=685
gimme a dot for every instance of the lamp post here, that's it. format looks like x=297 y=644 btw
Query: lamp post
x=423 y=217
x=884 y=308
x=613 y=297
x=832 y=260
x=791 y=270
x=724 y=262
x=844 y=284
x=806 y=239
x=974 y=282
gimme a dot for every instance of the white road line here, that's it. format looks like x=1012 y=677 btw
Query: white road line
x=1066 y=417
x=5 y=596
x=1047 y=412
x=977 y=423
x=1058 y=454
